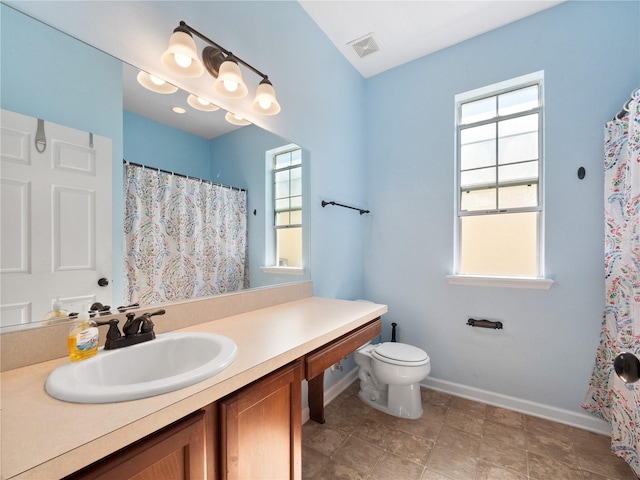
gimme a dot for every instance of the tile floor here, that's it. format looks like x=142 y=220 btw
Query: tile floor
x=455 y=439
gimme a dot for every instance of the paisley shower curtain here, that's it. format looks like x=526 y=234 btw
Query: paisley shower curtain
x=609 y=397
x=184 y=237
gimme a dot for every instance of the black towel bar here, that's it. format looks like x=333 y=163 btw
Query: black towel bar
x=324 y=204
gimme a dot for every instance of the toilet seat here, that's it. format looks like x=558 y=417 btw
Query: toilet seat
x=400 y=354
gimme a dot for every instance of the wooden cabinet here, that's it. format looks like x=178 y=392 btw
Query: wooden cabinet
x=261 y=428
x=254 y=433
x=177 y=452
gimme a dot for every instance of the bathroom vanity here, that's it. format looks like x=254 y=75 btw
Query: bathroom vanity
x=244 y=422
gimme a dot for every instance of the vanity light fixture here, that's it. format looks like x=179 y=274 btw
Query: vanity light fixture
x=181 y=58
x=229 y=82
x=200 y=103
x=236 y=119
x=155 y=84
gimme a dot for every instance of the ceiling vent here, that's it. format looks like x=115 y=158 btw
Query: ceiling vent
x=365 y=45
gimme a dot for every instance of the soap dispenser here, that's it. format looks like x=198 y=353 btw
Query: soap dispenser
x=82 y=341
x=58 y=313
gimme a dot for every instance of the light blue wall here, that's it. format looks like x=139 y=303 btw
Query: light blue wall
x=48 y=75
x=589 y=54
x=322 y=111
x=238 y=159
x=152 y=143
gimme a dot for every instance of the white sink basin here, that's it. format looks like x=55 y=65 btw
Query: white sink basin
x=169 y=362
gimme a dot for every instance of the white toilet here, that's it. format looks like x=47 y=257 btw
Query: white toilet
x=389 y=375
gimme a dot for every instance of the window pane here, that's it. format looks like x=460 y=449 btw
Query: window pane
x=518 y=196
x=296 y=157
x=477 y=200
x=289 y=247
x=518 y=139
x=281 y=184
x=475 y=178
x=296 y=217
x=296 y=202
x=478 y=147
x=479 y=110
x=282 y=160
x=518 y=172
x=499 y=244
x=518 y=100
x=282 y=204
x=296 y=181
x=282 y=219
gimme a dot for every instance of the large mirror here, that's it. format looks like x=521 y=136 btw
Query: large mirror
x=144 y=130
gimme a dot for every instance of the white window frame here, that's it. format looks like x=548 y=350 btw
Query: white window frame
x=539 y=281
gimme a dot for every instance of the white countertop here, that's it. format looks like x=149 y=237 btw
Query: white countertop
x=44 y=438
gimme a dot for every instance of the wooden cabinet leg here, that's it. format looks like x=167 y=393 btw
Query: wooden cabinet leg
x=316 y=398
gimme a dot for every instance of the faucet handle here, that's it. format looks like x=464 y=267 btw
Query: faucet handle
x=114 y=331
x=147 y=325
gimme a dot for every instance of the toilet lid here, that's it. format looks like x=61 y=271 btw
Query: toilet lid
x=401 y=352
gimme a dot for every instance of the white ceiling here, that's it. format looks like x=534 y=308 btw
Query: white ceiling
x=405 y=30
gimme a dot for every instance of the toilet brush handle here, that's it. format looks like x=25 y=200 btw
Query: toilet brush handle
x=393 y=331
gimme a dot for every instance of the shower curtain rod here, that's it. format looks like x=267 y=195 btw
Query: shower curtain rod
x=127 y=162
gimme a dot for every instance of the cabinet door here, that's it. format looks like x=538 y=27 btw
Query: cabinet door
x=261 y=428
x=176 y=452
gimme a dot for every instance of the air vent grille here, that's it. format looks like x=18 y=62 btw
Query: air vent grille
x=365 y=45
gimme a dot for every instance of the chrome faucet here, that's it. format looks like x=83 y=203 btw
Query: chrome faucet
x=136 y=330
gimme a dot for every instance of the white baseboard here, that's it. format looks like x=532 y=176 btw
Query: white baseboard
x=334 y=390
x=567 y=417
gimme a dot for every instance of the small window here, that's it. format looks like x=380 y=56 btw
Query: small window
x=499 y=180
x=287 y=207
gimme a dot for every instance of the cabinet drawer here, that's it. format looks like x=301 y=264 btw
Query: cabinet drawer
x=319 y=360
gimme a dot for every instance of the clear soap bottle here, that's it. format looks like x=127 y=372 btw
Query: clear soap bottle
x=82 y=341
x=57 y=314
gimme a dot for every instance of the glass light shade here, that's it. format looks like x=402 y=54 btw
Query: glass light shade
x=265 y=101
x=181 y=48
x=201 y=104
x=229 y=77
x=155 y=84
x=236 y=119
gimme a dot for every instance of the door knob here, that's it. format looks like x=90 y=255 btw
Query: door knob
x=103 y=282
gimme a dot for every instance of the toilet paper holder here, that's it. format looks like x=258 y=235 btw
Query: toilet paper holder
x=484 y=324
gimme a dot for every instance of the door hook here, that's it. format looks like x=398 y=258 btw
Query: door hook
x=41 y=139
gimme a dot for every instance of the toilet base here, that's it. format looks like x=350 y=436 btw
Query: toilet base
x=400 y=401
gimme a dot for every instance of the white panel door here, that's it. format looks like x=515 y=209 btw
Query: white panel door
x=55 y=237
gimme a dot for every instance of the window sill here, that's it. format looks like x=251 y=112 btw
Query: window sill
x=284 y=270
x=501 y=282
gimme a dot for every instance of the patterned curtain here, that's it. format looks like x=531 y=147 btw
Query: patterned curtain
x=609 y=397
x=184 y=237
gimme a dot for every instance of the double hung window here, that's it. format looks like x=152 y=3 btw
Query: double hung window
x=499 y=180
x=287 y=207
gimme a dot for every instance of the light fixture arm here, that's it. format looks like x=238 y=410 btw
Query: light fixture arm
x=222 y=49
